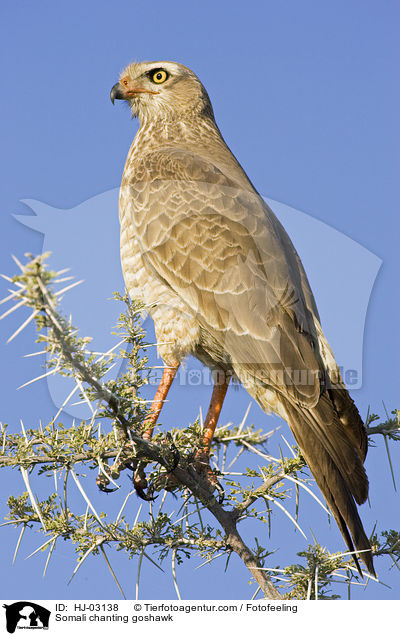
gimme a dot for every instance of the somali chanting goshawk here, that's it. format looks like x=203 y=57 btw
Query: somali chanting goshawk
x=223 y=282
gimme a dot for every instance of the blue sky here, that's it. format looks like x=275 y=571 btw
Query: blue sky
x=307 y=97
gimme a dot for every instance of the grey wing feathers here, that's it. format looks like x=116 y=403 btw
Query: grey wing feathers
x=221 y=249
x=211 y=239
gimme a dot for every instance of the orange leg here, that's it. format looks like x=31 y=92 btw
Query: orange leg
x=139 y=478
x=159 y=398
x=210 y=423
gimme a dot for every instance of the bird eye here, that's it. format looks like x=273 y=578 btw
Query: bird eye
x=159 y=76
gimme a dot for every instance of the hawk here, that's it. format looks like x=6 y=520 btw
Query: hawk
x=223 y=282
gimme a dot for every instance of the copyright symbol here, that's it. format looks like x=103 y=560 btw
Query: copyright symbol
x=137 y=607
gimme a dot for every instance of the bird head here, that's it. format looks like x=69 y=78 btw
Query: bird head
x=161 y=90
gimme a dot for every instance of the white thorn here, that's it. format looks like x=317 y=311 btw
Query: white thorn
x=39 y=377
x=13 y=308
x=24 y=324
x=65 y=289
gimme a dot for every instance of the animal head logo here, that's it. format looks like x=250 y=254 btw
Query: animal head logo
x=26 y=615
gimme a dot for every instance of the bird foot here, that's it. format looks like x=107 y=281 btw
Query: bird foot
x=165 y=480
x=202 y=467
x=140 y=484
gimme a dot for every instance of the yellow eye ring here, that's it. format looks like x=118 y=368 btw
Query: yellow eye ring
x=159 y=76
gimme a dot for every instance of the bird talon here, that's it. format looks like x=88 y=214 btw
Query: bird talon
x=102 y=483
x=140 y=484
x=143 y=495
x=103 y=488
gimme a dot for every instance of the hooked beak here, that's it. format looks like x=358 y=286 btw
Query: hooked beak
x=117 y=92
x=121 y=92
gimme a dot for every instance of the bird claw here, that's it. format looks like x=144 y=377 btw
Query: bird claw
x=102 y=484
x=143 y=495
x=103 y=488
x=140 y=484
x=139 y=478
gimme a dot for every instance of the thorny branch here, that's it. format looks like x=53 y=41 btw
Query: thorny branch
x=59 y=449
